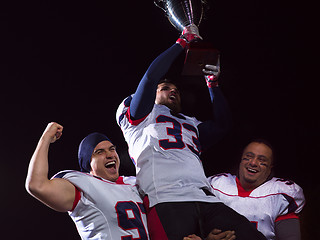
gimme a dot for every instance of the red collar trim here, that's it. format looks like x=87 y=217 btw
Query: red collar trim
x=241 y=191
x=120 y=180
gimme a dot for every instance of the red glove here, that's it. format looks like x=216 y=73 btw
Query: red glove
x=189 y=34
x=212 y=81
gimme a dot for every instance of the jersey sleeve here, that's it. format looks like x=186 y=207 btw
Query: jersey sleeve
x=215 y=180
x=79 y=179
x=63 y=174
x=123 y=117
x=76 y=198
x=293 y=197
x=222 y=183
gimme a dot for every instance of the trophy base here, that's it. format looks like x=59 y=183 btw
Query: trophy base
x=198 y=55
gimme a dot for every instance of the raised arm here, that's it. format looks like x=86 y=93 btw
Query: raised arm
x=213 y=130
x=58 y=194
x=144 y=97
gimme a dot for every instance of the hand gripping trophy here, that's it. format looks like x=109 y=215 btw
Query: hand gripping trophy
x=189 y=13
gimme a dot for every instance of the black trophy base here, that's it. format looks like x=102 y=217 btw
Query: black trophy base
x=198 y=55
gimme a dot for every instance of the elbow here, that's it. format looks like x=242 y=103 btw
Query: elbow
x=30 y=187
x=33 y=187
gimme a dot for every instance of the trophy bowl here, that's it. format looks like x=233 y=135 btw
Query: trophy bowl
x=182 y=13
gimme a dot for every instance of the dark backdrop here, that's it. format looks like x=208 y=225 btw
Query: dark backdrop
x=74 y=61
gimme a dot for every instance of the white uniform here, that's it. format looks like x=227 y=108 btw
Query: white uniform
x=276 y=199
x=165 y=149
x=106 y=210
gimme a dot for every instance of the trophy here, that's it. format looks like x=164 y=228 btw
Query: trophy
x=182 y=13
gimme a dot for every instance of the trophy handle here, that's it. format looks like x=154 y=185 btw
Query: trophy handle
x=160 y=4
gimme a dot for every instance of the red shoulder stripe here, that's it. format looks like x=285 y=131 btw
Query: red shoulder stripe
x=77 y=198
x=132 y=121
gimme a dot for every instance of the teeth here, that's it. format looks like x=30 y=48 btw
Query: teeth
x=110 y=164
x=252 y=170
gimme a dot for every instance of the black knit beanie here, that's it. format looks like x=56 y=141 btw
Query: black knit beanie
x=86 y=148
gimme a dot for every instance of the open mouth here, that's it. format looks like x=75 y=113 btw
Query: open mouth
x=111 y=164
x=251 y=170
x=172 y=97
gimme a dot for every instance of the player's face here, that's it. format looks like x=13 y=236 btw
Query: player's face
x=168 y=95
x=105 y=161
x=255 y=166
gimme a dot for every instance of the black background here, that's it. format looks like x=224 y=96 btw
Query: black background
x=73 y=62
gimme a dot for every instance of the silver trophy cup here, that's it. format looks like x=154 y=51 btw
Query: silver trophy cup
x=182 y=13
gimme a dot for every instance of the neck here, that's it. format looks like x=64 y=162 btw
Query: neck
x=247 y=186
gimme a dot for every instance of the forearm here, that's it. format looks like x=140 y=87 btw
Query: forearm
x=221 y=109
x=56 y=193
x=213 y=130
x=288 y=229
x=143 y=100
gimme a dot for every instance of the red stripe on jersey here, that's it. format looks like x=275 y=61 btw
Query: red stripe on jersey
x=155 y=228
x=287 y=216
x=235 y=195
x=77 y=198
x=132 y=121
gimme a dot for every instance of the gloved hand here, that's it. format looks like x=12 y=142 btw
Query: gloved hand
x=189 y=34
x=211 y=74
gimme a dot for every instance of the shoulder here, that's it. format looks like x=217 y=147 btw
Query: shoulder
x=224 y=185
x=68 y=173
x=123 y=107
x=81 y=180
x=126 y=102
x=191 y=119
x=291 y=192
x=284 y=186
x=129 y=180
x=221 y=179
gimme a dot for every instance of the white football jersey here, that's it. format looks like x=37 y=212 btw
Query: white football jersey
x=165 y=150
x=274 y=200
x=106 y=210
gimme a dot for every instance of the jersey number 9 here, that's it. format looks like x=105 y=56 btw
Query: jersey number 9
x=129 y=218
